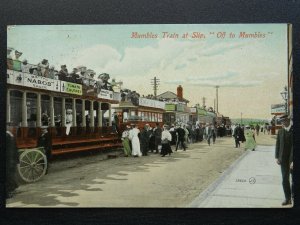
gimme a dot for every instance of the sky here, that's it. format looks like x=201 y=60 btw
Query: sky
x=250 y=70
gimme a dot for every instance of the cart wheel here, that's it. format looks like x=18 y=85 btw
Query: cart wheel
x=33 y=165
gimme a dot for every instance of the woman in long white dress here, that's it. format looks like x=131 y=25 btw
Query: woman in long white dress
x=135 y=141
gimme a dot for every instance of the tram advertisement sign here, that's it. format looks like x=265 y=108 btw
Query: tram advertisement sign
x=71 y=88
x=170 y=107
x=40 y=82
x=14 y=77
x=278 y=108
x=151 y=103
x=106 y=94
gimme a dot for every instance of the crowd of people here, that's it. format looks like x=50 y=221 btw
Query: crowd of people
x=158 y=139
x=79 y=75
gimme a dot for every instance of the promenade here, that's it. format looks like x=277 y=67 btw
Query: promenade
x=254 y=181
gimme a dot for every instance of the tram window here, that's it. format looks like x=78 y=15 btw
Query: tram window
x=31 y=109
x=16 y=107
x=125 y=116
x=45 y=104
x=143 y=116
x=57 y=111
x=78 y=112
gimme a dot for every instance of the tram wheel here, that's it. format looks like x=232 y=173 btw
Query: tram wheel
x=33 y=165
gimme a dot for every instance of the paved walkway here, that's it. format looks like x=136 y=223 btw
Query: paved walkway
x=253 y=181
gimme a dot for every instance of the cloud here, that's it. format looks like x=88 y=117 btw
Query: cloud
x=176 y=81
x=234 y=84
x=219 y=77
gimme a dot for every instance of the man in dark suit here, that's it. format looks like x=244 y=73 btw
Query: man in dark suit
x=284 y=157
x=180 y=133
x=45 y=141
x=12 y=160
x=157 y=134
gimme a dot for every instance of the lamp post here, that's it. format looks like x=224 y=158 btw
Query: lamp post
x=284 y=95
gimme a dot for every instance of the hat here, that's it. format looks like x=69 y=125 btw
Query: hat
x=44 y=127
x=25 y=60
x=52 y=67
x=127 y=126
x=62 y=66
x=18 y=53
x=69 y=110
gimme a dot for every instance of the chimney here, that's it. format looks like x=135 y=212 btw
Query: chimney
x=179 y=92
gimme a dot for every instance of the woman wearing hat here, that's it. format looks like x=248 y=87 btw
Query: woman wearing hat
x=250 y=139
x=166 y=138
x=135 y=141
x=126 y=141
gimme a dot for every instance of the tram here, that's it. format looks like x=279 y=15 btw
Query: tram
x=142 y=111
x=78 y=118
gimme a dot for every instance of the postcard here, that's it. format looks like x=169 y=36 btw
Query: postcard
x=159 y=116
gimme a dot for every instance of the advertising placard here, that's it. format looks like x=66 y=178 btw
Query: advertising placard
x=71 y=88
x=105 y=94
x=170 y=107
x=40 y=82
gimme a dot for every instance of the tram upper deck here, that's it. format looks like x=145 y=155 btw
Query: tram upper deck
x=77 y=114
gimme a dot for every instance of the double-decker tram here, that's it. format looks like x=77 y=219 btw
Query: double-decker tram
x=139 y=111
x=77 y=116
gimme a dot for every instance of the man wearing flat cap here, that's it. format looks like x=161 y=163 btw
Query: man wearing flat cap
x=284 y=157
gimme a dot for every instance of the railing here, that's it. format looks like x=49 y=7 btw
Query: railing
x=16 y=77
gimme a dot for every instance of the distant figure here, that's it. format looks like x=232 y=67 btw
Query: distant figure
x=157 y=134
x=166 y=138
x=12 y=161
x=45 y=141
x=257 y=129
x=211 y=134
x=133 y=136
x=144 y=139
x=180 y=138
x=250 y=139
x=126 y=141
x=237 y=134
x=284 y=157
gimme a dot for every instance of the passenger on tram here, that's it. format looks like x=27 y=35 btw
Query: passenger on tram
x=63 y=73
x=44 y=65
x=74 y=75
x=69 y=120
x=37 y=71
x=25 y=67
x=45 y=119
x=16 y=61
x=9 y=58
x=52 y=73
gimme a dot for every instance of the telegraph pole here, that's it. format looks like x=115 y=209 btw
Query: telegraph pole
x=155 y=83
x=203 y=102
